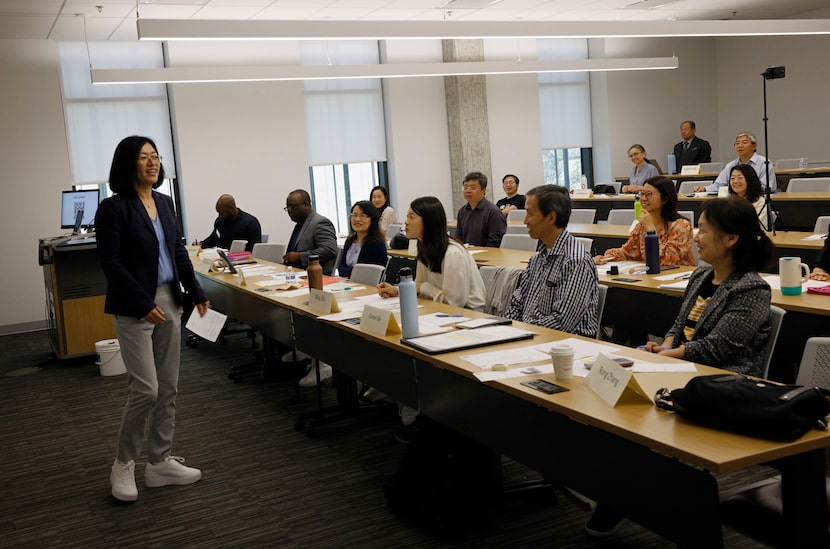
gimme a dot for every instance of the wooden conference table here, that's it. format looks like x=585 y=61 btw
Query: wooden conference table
x=798 y=211
x=787 y=243
x=624 y=456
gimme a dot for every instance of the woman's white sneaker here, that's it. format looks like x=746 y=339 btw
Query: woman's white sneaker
x=170 y=471
x=122 y=479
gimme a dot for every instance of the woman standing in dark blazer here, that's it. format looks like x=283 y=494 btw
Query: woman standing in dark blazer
x=144 y=259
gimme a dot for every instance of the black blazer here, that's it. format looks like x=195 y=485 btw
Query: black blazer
x=129 y=253
x=699 y=151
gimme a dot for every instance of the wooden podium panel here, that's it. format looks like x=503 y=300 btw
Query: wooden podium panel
x=86 y=323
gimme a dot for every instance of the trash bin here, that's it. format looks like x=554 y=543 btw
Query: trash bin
x=109 y=358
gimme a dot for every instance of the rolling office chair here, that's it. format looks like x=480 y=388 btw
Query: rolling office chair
x=822 y=224
x=516 y=215
x=519 y=242
x=809 y=185
x=587 y=243
x=620 y=217
x=238 y=246
x=367 y=274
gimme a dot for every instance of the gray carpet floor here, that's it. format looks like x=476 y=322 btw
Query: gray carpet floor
x=264 y=483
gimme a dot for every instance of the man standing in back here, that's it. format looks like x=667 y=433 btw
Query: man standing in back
x=559 y=288
x=312 y=234
x=232 y=224
x=692 y=150
x=479 y=221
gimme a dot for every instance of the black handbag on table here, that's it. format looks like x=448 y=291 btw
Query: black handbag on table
x=749 y=406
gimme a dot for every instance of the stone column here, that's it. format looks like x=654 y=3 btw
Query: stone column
x=468 y=129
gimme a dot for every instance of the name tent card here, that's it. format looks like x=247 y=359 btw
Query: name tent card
x=379 y=321
x=610 y=381
x=693 y=169
x=583 y=193
x=323 y=303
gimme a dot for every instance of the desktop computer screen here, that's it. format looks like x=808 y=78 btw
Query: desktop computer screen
x=73 y=202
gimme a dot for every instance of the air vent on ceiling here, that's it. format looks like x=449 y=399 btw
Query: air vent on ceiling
x=467 y=4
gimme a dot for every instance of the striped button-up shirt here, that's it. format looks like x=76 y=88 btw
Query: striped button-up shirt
x=559 y=289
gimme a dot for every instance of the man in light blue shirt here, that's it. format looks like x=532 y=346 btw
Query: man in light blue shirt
x=745 y=146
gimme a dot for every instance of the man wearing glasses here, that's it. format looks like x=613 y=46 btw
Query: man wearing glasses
x=480 y=222
x=312 y=234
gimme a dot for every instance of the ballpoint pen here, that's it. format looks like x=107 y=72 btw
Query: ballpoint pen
x=443 y=315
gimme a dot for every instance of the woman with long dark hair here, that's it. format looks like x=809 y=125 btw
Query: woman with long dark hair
x=446 y=271
x=380 y=200
x=365 y=244
x=745 y=183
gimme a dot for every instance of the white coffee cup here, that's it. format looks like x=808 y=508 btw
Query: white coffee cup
x=792 y=273
x=562 y=357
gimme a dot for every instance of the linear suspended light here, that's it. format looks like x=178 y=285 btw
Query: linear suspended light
x=175 y=75
x=205 y=29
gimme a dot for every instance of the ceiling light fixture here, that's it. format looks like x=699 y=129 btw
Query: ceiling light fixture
x=205 y=29
x=176 y=75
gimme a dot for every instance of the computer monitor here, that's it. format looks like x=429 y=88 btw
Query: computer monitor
x=74 y=201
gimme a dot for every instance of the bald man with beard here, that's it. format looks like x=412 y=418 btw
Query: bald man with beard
x=232 y=224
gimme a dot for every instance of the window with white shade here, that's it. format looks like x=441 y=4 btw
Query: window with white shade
x=345 y=130
x=99 y=117
x=565 y=114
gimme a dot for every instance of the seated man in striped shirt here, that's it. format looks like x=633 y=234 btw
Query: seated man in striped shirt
x=559 y=288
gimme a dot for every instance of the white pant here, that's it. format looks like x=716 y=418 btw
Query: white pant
x=151 y=354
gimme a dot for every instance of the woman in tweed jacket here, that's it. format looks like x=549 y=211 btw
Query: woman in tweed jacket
x=725 y=317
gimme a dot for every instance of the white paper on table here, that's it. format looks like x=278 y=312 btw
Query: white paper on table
x=257 y=270
x=208 y=326
x=474 y=252
x=679 y=285
x=674 y=276
x=621 y=265
x=293 y=293
x=581 y=347
x=522 y=355
x=815 y=237
x=441 y=319
x=774 y=282
x=342 y=315
x=513 y=372
x=342 y=286
x=641 y=367
x=426 y=328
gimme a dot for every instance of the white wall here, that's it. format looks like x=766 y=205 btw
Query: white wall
x=647 y=107
x=514 y=119
x=247 y=139
x=797 y=105
x=417 y=142
x=35 y=162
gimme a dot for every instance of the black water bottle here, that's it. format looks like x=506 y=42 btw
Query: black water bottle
x=652 y=253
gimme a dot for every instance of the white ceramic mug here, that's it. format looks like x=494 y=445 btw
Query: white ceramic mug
x=562 y=357
x=792 y=274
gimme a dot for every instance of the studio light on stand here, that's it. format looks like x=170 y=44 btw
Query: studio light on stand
x=770 y=74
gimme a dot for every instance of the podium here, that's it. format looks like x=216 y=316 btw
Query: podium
x=75 y=291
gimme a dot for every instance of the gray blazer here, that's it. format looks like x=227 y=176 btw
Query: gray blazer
x=735 y=326
x=317 y=236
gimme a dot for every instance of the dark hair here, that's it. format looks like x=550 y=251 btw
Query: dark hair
x=553 y=198
x=434 y=241
x=374 y=226
x=754 y=191
x=385 y=196
x=636 y=146
x=690 y=123
x=303 y=194
x=480 y=177
x=737 y=216
x=665 y=187
x=511 y=175
x=124 y=168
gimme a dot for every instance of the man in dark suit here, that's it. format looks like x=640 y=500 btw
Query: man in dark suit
x=692 y=150
x=312 y=234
